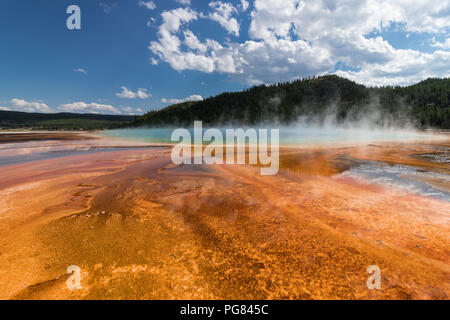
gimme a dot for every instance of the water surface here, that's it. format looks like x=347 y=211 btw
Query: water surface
x=288 y=135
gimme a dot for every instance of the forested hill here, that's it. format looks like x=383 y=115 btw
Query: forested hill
x=319 y=99
x=61 y=121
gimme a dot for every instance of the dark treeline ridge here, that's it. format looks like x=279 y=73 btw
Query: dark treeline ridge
x=317 y=99
x=61 y=121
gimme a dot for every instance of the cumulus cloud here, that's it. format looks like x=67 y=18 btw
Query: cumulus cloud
x=222 y=12
x=150 y=5
x=192 y=98
x=167 y=48
x=404 y=67
x=288 y=39
x=27 y=106
x=128 y=94
x=5 y=108
x=88 y=108
x=191 y=40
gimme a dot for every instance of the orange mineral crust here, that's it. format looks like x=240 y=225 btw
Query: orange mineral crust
x=139 y=227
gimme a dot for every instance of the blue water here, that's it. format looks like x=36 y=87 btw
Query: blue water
x=288 y=135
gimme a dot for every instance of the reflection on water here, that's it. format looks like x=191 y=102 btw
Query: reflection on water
x=407 y=178
x=16 y=159
x=442 y=156
x=15 y=153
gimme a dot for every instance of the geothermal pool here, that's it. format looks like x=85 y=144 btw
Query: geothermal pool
x=407 y=178
x=289 y=135
x=140 y=227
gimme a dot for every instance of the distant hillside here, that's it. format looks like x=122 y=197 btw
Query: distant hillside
x=61 y=121
x=319 y=99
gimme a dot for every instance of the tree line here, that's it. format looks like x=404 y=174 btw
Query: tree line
x=317 y=99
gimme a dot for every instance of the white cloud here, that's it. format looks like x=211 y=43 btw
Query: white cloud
x=184 y=2
x=128 y=94
x=244 y=4
x=150 y=22
x=131 y=111
x=80 y=70
x=291 y=38
x=167 y=48
x=150 y=5
x=406 y=66
x=127 y=109
x=22 y=105
x=445 y=44
x=93 y=107
x=88 y=108
x=192 y=98
x=192 y=42
x=222 y=12
x=107 y=8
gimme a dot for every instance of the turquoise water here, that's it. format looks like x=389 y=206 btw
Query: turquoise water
x=288 y=135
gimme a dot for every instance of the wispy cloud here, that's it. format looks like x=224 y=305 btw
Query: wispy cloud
x=128 y=94
x=445 y=44
x=184 y=2
x=150 y=5
x=128 y=110
x=244 y=5
x=131 y=110
x=88 y=108
x=80 y=70
x=107 y=8
x=151 y=22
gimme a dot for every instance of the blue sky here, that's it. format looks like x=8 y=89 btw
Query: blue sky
x=131 y=56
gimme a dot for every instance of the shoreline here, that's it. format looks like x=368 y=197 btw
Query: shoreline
x=437 y=135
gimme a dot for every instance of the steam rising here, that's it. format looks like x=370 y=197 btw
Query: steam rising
x=367 y=122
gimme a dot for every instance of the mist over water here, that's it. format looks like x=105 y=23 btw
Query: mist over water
x=289 y=135
x=368 y=122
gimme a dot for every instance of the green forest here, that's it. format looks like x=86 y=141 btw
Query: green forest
x=61 y=121
x=318 y=99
